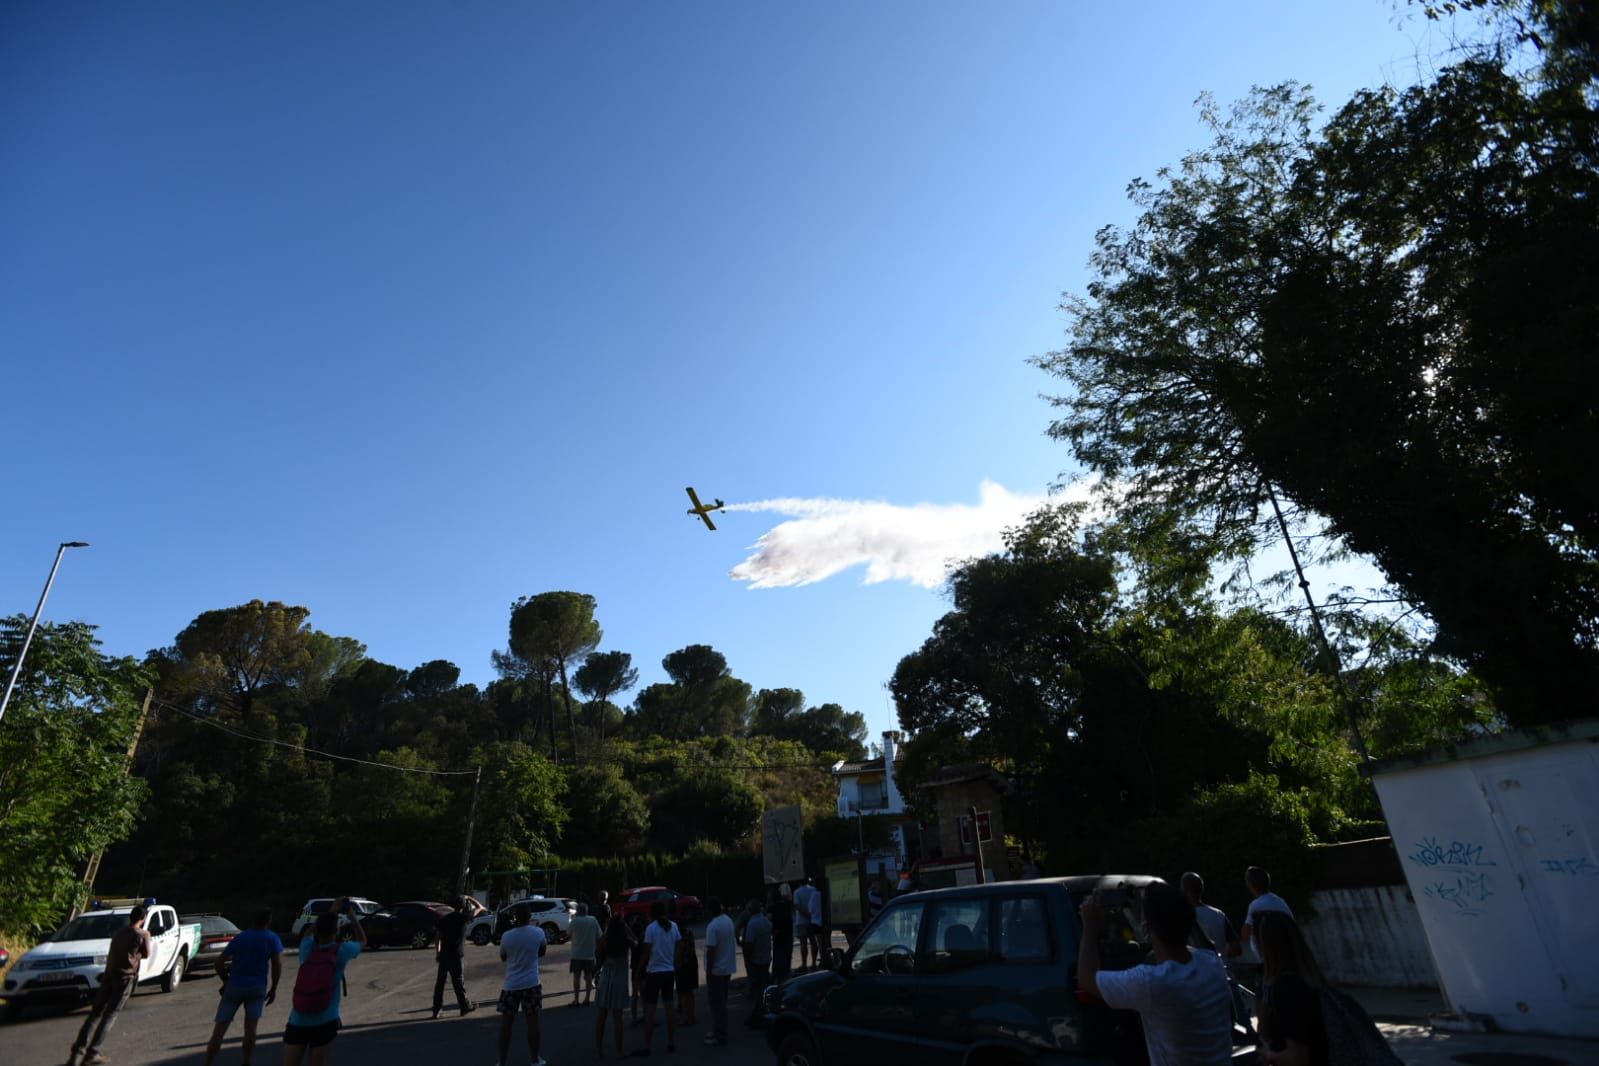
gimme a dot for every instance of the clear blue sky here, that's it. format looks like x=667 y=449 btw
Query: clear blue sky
x=401 y=311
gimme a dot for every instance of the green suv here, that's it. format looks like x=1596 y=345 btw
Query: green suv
x=973 y=976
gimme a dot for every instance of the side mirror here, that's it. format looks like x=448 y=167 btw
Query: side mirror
x=835 y=960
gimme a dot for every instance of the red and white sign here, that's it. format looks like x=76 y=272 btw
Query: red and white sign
x=985 y=829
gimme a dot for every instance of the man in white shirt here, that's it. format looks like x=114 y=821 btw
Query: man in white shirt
x=802 y=921
x=660 y=971
x=585 y=937
x=720 y=964
x=520 y=949
x=1182 y=997
x=1258 y=882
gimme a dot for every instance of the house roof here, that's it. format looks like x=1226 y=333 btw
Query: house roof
x=966 y=771
x=864 y=767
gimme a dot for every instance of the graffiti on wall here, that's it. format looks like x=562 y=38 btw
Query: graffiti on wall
x=1460 y=876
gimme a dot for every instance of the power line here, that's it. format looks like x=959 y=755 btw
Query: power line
x=302 y=749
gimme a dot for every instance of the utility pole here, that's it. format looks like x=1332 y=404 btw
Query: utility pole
x=93 y=869
x=466 y=845
x=977 y=846
x=16 y=670
x=1345 y=697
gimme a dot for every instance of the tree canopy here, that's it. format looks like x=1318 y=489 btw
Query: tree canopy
x=63 y=746
x=1388 y=320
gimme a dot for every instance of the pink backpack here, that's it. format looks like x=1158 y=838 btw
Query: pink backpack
x=313 y=985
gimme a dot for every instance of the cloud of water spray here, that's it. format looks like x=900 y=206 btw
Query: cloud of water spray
x=916 y=543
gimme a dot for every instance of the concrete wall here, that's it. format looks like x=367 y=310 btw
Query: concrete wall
x=1371 y=937
x=1499 y=840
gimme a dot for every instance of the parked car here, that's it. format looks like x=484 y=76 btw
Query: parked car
x=961 y=975
x=314 y=908
x=414 y=924
x=638 y=900
x=67 y=968
x=216 y=933
x=550 y=915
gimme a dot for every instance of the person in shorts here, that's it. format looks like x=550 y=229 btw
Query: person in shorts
x=521 y=948
x=585 y=937
x=688 y=977
x=312 y=1030
x=250 y=968
x=661 y=938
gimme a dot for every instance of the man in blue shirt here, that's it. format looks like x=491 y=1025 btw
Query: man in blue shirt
x=246 y=964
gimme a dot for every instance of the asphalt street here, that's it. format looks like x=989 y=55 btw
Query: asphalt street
x=387 y=1019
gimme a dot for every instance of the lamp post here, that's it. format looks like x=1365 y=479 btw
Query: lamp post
x=16 y=670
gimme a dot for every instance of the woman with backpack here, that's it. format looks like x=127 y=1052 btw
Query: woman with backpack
x=610 y=987
x=1304 y=1020
x=314 y=1019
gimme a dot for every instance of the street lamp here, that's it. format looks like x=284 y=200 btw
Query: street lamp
x=23 y=654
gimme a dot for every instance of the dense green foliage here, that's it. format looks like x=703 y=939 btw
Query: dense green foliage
x=239 y=811
x=63 y=747
x=1390 y=321
x=1118 y=695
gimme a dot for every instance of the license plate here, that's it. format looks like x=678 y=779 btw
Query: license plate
x=56 y=978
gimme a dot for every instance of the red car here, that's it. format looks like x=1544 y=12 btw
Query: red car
x=639 y=900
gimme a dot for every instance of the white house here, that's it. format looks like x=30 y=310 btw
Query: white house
x=868 y=788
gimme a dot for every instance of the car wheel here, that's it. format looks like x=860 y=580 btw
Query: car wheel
x=797 y=1049
x=552 y=932
x=419 y=939
x=173 y=977
x=480 y=936
x=10 y=1011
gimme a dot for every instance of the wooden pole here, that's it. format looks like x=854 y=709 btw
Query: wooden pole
x=466 y=845
x=92 y=871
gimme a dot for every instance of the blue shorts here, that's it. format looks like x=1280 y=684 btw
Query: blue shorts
x=251 y=997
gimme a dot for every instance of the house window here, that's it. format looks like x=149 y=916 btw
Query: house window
x=873 y=795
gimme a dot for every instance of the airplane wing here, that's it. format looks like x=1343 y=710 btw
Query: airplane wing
x=695 y=497
x=706 y=518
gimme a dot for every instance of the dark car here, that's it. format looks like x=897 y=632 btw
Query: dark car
x=639 y=900
x=216 y=933
x=414 y=924
x=978 y=974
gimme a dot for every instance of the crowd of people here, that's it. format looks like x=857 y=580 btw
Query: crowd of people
x=1187 y=992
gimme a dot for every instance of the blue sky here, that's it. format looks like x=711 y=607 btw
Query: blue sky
x=402 y=310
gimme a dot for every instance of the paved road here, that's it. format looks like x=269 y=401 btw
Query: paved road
x=387 y=1019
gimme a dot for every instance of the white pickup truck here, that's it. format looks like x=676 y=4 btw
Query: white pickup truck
x=69 y=965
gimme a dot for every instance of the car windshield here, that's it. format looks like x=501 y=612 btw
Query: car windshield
x=92 y=927
x=213 y=925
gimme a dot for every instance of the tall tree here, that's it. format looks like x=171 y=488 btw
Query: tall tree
x=711 y=701
x=605 y=674
x=1390 y=322
x=226 y=658
x=548 y=631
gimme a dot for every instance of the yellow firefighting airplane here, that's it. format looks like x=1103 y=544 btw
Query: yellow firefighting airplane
x=703 y=510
